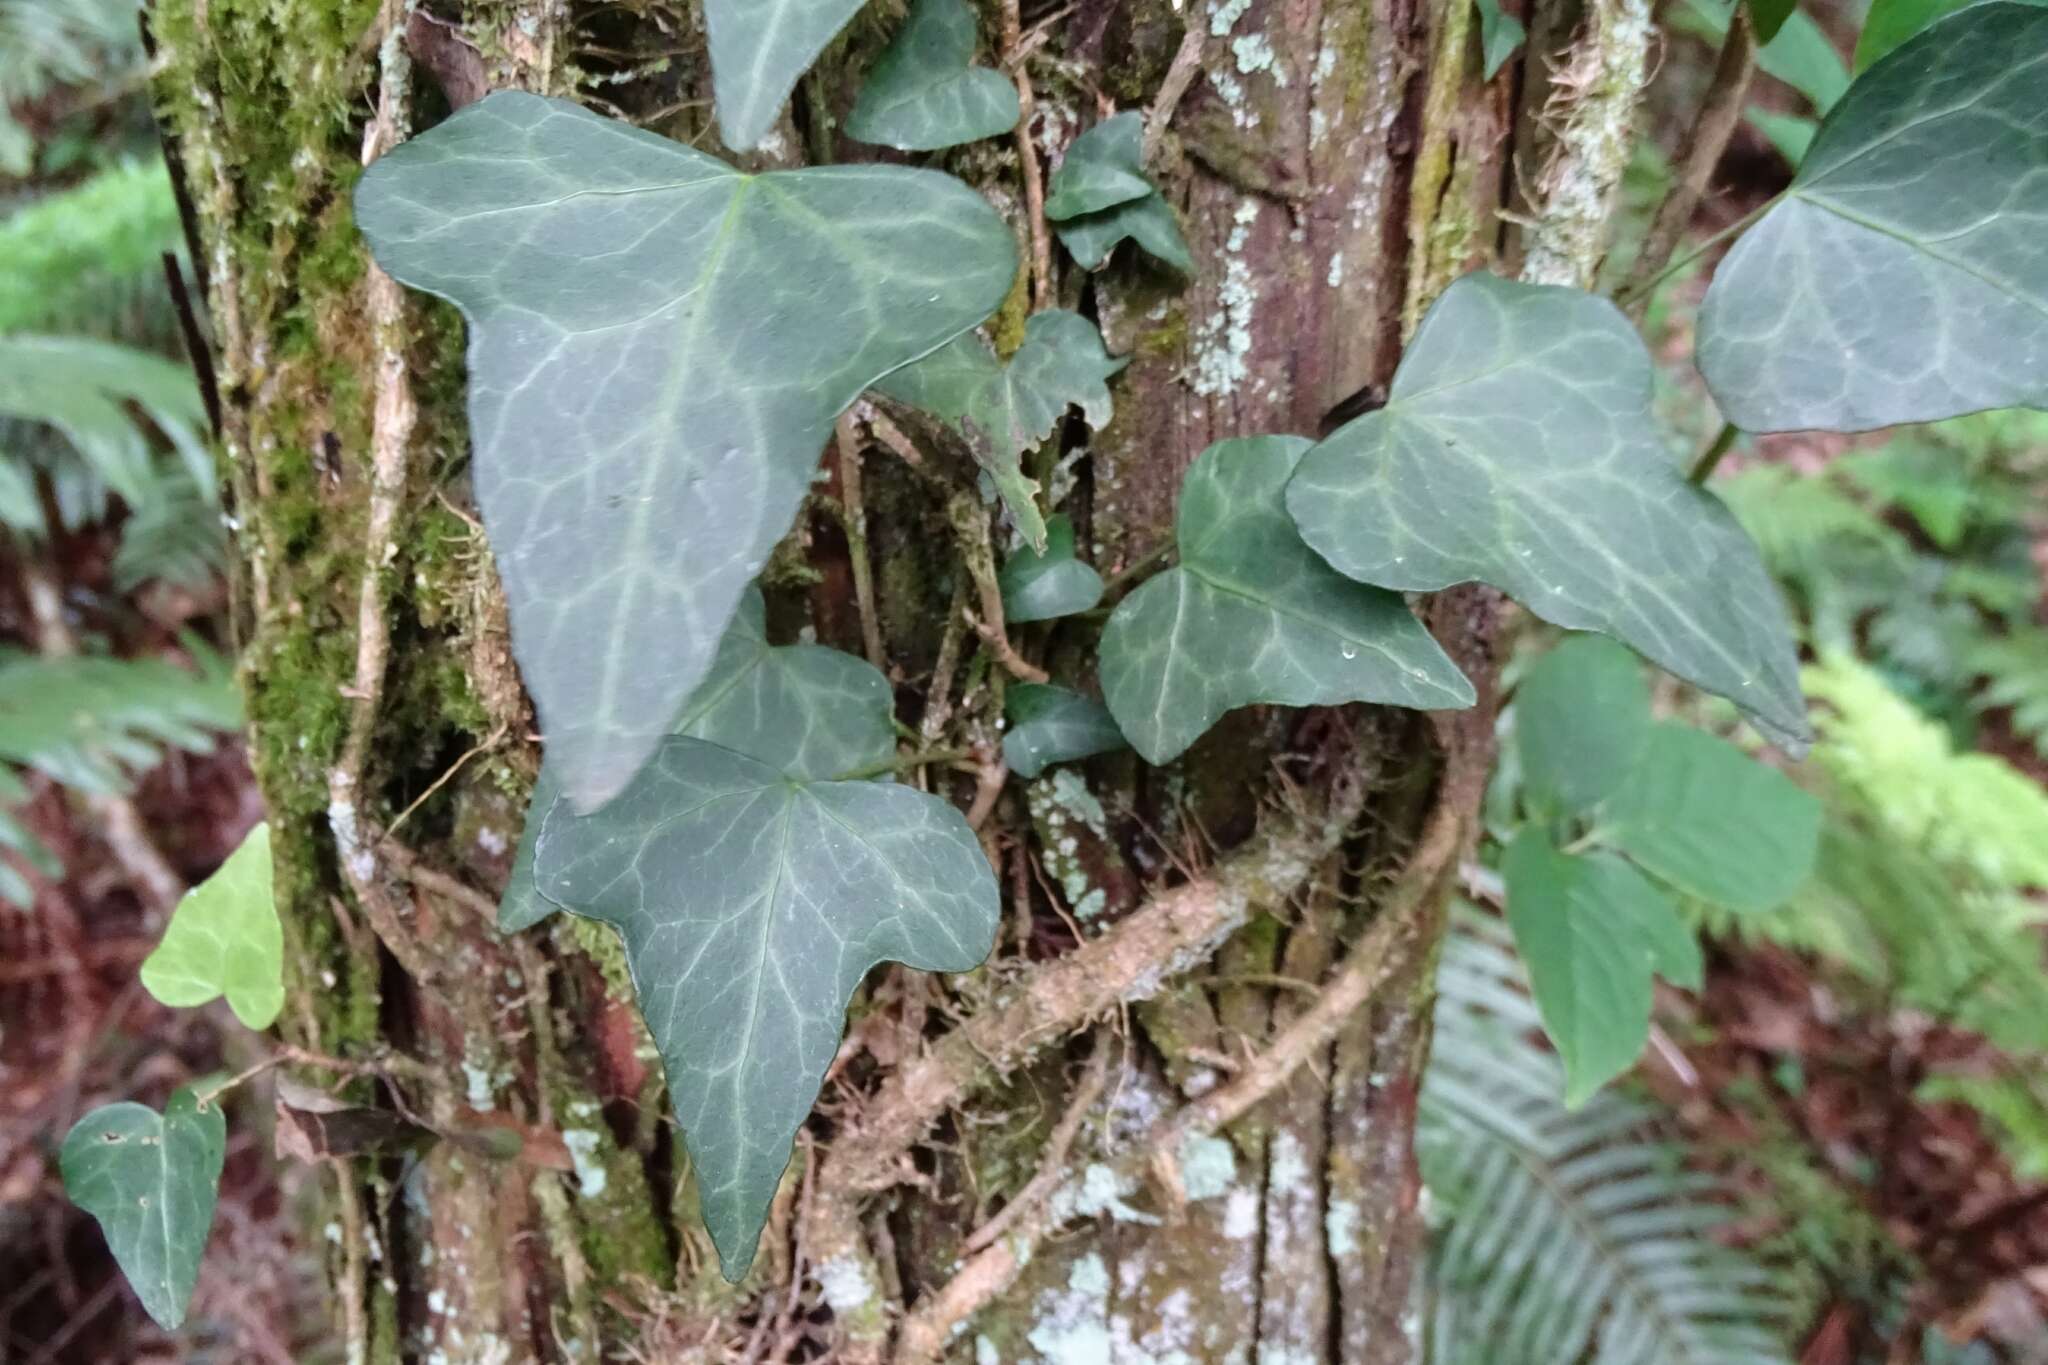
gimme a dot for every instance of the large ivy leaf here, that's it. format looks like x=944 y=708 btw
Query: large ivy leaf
x=1252 y=615
x=1517 y=448
x=759 y=49
x=1904 y=275
x=1048 y=584
x=1582 y=721
x=1004 y=410
x=810 y=711
x=224 y=939
x=151 y=1181
x=1099 y=196
x=659 y=345
x=1047 y=725
x=751 y=905
x=924 y=91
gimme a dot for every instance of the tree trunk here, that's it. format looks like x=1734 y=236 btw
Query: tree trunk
x=1335 y=163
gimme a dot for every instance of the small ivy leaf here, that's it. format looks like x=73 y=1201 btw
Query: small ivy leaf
x=1501 y=35
x=151 y=1182
x=1517 y=448
x=1592 y=931
x=759 y=50
x=224 y=939
x=1252 y=615
x=650 y=381
x=1891 y=22
x=1714 y=822
x=810 y=711
x=1902 y=277
x=1044 y=585
x=1099 y=196
x=1004 y=410
x=751 y=905
x=1766 y=17
x=1582 y=722
x=1048 y=725
x=924 y=92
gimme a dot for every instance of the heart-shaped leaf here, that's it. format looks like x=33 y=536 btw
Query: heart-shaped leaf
x=1582 y=721
x=759 y=50
x=751 y=905
x=1099 y=196
x=1517 y=448
x=151 y=1182
x=924 y=92
x=1042 y=586
x=659 y=346
x=1047 y=725
x=1904 y=275
x=809 y=711
x=1004 y=410
x=224 y=939
x=1252 y=615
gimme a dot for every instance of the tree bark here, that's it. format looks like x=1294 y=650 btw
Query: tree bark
x=1194 y=1109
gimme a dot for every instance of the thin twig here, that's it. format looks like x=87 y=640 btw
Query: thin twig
x=490 y=742
x=970 y=526
x=1180 y=74
x=1031 y=171
x=855 y=523
x=1052 y=1162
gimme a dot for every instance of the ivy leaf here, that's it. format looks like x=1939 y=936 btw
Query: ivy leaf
x=151 y=1182
x=1048 y=725
x=751 y=905
x=924 y=92
x=1043 y=585
x=1592 y=931
x=1902 y=277
x=650 y=378
x=1582 y=721
x=1517 y=448
x=224 y=939
x=1714 y=822
x=759 y=50
x=1099 y=196
x=810 y=711
x=1251 y=615
x=1500 y=35
x=1769 y=16
x=1004 y=410
x=1891 y=22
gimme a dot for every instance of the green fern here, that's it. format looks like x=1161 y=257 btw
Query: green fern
x=2015 y=672
x=175 y=537
x=1564 y=1235
x=46 y=45
x=90 y=259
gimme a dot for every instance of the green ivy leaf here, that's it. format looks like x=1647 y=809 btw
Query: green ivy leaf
x=1891 y=22
x=1592 y=931
x=650 y=379
x=810 y=711
x=1767 y=17
x=1251 y=615
x=1004 y=410
x=1099 y=196
x=151 y=1182
x=751 y=905
x=1047 y=725
x=1902 y=277
x=1714 y=822
x=1582 y=722
x=224 y=939
x=1044 y=585
x=1500 y=36
x=1517 y=448
x=759 y=50
x=924 y=92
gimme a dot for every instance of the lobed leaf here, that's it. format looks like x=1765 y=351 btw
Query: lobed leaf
x=224 y=939
x=759 y=50
x=1047 y=725
x=1043 y=585
x=924 y=92
x=1099 y=196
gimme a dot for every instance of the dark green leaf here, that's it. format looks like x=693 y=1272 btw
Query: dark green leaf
x=1252 y=615
x=652 y=378
x=1099 y=196
x=1903 y=276
x=759 y=49
x=151 y=1182
x=924 y=93
x=224 y=939
x=1043 y=586
x=751 y=905
x=1500 y=36
x=1769 y=16
x=1048 y=725
x=1891 y=22
x=1518 y=448
x=1582 y=721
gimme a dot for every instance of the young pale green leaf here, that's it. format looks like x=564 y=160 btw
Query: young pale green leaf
x=924 y=92
x=151 y=1182
x=1252 y=615
x=812 y=712
x=1004 y=410
x=224 y=939
x=1099 y=196
x=1500 y=35
x=1048 y=725
x=1891 y=22
x=1582 y=721
x=1517 y=448
x=1044 y=585
x=751 y=905
x=1714 y=822
x=1904 y=275
x=651 y=379
x=1592 y=931
x=759 y=49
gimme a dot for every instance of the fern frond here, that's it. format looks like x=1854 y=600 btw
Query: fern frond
x=2015 y=672
x=47 y=44
x=90 y=259
x=93 y=723
x=175 y=537
x=83 y=389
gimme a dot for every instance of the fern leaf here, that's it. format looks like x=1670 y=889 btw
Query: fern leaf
x=93 y=723
x=2015 y=670
x=82 y=388
x=89 y=259
x=47 y=44
x=176 y=536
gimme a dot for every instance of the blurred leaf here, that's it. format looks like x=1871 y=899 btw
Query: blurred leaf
x=1500 y=36
x=1769 y=16
x=1582 y=723
x=924 y=93
x=1791 y=134
x=1044 y=586
x=1892 y=22
x=224 y=939
x=91 y=723
x=1048 y=725
x=83 y=389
